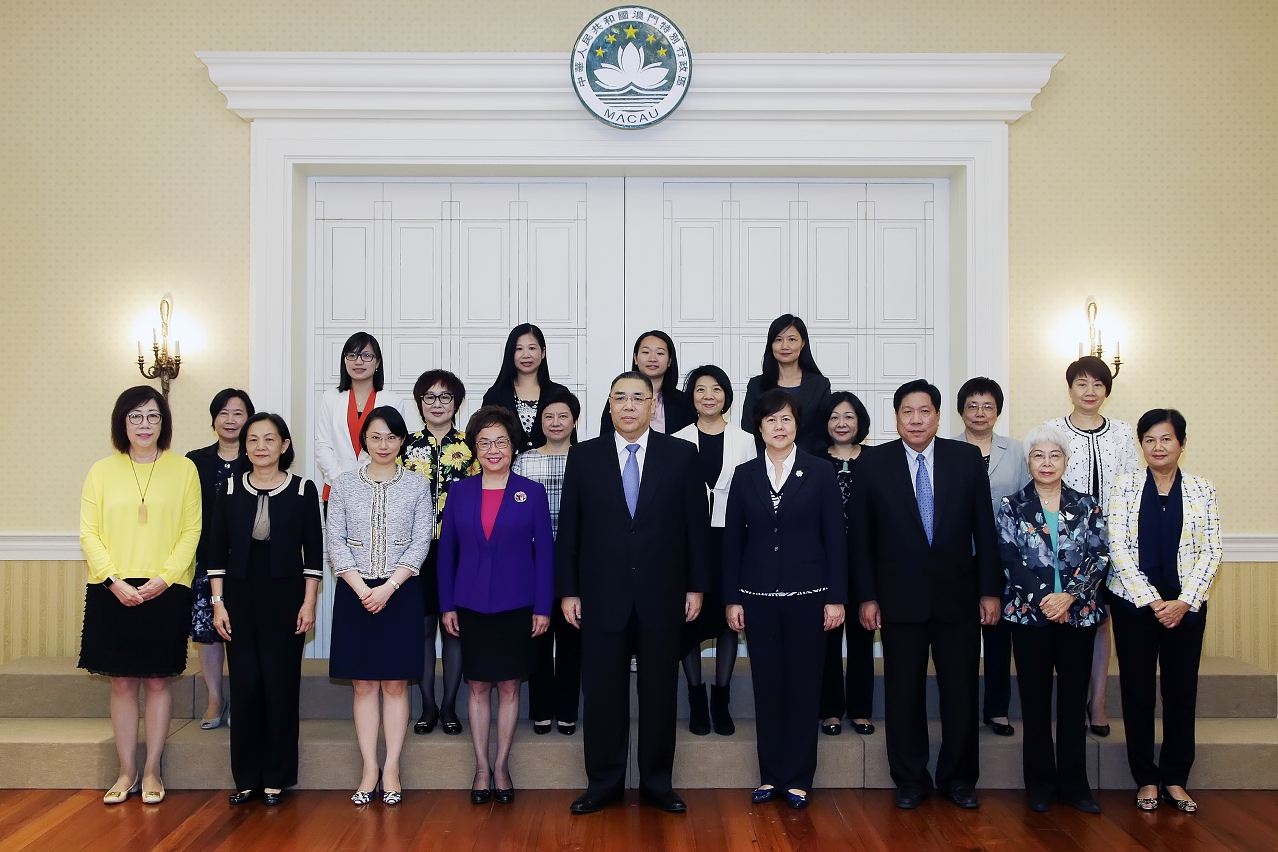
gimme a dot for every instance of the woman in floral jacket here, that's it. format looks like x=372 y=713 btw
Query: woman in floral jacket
x=1055 y=552
x=440 y=454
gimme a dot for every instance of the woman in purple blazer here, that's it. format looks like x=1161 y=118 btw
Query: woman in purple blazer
x=496 y=587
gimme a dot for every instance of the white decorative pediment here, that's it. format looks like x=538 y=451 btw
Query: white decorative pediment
x=890 y=86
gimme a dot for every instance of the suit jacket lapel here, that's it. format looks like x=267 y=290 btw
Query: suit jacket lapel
x=759 y=475
x=998 y=452
x=791 y=487
x=654 y=464
x=902 y=467
x=942 y=483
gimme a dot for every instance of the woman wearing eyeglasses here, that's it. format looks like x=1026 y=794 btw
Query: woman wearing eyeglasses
x=496 y=587
x=343 y=412
x=440 y=453
x=140 y=518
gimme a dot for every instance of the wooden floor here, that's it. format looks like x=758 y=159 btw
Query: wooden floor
x=66 y=820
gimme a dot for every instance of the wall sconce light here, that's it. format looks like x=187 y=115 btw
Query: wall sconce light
x=1093 y=346
x=164 y=367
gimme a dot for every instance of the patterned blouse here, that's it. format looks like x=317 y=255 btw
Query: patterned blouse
x=1024 y=545
x=1098 y=456
x=843 y=470
x=442 y=463
x=547 y=470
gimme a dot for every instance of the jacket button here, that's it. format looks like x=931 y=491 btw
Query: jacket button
x=776 y=530
x=776 y=548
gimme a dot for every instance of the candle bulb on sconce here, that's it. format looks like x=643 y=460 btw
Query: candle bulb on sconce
x=164 y=367
x=1093 y=345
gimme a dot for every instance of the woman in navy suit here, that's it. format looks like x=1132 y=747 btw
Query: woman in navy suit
x=496 y=587
x=785 y=574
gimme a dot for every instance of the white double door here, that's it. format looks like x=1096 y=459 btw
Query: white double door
x=441 y=270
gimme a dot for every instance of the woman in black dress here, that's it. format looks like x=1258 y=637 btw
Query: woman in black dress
x=655 y=357
x=788 y=364
x=266 y=557
x=720 y=448
x=847 y=423
x=216 y=463
x=524 y=383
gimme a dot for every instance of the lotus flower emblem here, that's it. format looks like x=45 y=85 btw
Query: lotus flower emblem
x=631 y=71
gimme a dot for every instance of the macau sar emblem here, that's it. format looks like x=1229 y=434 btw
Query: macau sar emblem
x=631 y=67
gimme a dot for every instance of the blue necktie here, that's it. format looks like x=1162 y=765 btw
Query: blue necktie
x=630 y=479
x=923 y=493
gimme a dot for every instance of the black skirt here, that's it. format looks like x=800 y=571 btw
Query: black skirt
x=430 y=581
x=497 y=646
x=390 y=645
x=202 y=629
x=147 y=640
x=712 y=622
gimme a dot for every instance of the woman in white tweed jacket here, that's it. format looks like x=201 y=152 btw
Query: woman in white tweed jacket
x=1164 y=534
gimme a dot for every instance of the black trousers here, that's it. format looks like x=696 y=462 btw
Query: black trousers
x=265 y=661
x=852 y=693
x=605 y=680
x=956 y=653
x=998 y=668
x=786 y=641
x=554 y=689
x=1068 y=651
x=1145 y=650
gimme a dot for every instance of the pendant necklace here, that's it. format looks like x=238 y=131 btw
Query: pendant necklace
x=142 y=491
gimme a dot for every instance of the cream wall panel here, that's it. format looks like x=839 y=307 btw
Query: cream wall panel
x=126 y=178
x=1241 y=621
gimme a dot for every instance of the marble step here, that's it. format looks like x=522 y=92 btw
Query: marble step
x=79 y=753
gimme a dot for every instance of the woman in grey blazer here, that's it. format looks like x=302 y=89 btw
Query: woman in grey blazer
x=980 y=402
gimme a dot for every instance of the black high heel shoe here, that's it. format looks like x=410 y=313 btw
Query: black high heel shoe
x=424 y=724
x=1000 y=728
x=484 y=796
x=1098 y=730
x=506 y=796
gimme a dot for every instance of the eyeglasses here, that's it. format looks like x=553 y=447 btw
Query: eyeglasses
x=1054 y=455
x=154 y=417
x=366 y=357
x=432 y=398
x=495 y=444
x=382 y=440
x=977 y=406
x=623 y=398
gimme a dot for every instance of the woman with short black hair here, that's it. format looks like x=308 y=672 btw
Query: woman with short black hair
x=216 y=463
x=266 y=557
x=523 y=383
x=1165 y=540
x=788 y=364
x=140 y=519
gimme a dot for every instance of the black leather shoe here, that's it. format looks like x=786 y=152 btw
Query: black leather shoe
x=240 y=797
x=425 y=724
x=964 y=797
x=698 y=710
x=539 y=728
x=481 y=797
x=451 y=728
x=590 y=803
x=567 y=728
x=832 y=730
x=1099 y=730
x=504 y=797
x=1040 y=804
x=1087 y=806
x=763 y=794
x=272 y=799
x=863 y=729
x=907 y=799
x=1000 y=729
x=668 y=801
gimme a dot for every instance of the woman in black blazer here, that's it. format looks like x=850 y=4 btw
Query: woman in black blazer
x=785 y=575
x=788 y=364
x=266 y=557
x=523 y=383
x=672 y=409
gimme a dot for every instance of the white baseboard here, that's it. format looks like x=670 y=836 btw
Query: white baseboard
x=65 y=546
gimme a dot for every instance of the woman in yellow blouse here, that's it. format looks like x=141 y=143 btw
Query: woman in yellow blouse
x=139 y=526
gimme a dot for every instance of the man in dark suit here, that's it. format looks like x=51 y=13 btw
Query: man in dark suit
x=632 y=560
x=927 y=573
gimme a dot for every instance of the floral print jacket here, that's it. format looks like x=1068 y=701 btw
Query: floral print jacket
x=441 y=462
x=1025 y=546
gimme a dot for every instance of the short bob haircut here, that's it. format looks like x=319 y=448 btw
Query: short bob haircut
x=561 y=394
x=1046 y=434
x=1093 y=368
x=429 y=379
x=223 y=397
x=1155 y=416
x=356 y=343
x=917 y=386
x=136 y=397
x=713 y=372
x=631 y=374
x=286 y=457
x=858 y=408
x=389 y=415
x=976 y=387
x=771 y=368
x=772 y=401
x=493 y=415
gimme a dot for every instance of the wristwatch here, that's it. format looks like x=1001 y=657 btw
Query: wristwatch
x=106 y=584
x=217 y=599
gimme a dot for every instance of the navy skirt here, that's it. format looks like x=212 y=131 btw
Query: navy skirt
x=390 y=645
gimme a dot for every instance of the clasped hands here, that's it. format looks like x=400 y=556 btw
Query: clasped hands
x=126 y=594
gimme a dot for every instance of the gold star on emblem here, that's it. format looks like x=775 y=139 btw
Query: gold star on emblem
x=599 y=51
x=611 y=38
x=661 y=51
x=631 y=32
x=651 y=38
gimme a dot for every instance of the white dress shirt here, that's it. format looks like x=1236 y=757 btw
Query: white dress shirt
x=929 y=462
x=786 y=467
x=623 y=453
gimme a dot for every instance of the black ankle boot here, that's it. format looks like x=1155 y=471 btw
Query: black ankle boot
x=719 y=697
x=698 y=710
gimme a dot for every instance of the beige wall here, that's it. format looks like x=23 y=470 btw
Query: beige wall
x=1144 y=176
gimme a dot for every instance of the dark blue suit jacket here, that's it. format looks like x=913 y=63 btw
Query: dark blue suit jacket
x=513 y=569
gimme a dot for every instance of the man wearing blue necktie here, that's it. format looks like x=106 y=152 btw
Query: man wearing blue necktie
x=632 y=560
x=927 y=574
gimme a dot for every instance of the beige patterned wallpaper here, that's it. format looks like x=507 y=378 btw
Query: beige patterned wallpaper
x=1144 y=177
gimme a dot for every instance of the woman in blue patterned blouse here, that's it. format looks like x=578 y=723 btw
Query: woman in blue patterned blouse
x=1055 y=552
